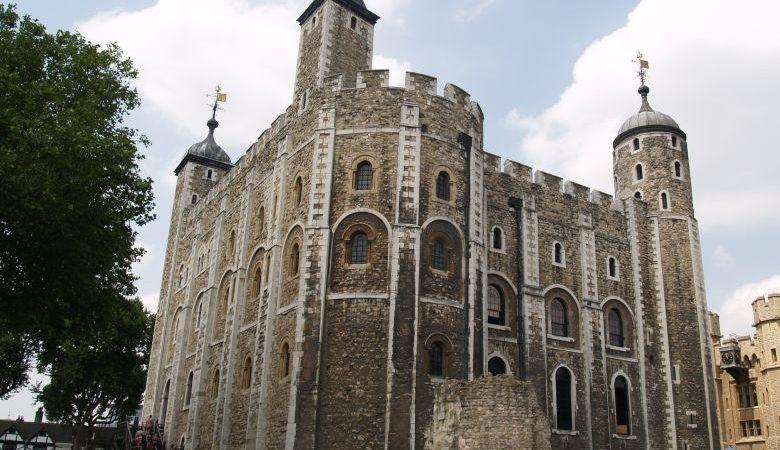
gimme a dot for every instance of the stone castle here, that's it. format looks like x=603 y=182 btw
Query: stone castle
x=747 y=379
x=366 y=248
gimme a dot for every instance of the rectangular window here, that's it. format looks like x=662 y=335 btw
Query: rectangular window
x=676 y=374
x=744 y=428
x=774 y=355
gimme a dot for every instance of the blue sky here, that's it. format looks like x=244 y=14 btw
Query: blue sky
x=554 y=79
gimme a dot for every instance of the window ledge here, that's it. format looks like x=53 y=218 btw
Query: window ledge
x=693 y=425
x=499 y=327
x=566 y=432
x=563 y=264
x=442 y=273
x=365 y=266
x=498 y=250
x=613 y=278
x=437 y=379
x=618 y=349
x=625 y=437
x=560 y=338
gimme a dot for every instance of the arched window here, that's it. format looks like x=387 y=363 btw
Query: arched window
x=284 y=360
x=639 y=172
x=622 y=407
x=261 y=220
x=258 y=279
x=208 y=174
x=188 y=393
x=215 y=385
x=246 y=373
x=677 y=169
x=194 y=198
x=443 y=186
x=165 y=401
x=612 y=267
x=199 y=314
x=636 y=143
x=295 y=259
x=298 y=190
x=436 y=360
x=564 y=413
x=358 y=248
x=559 y=320
x=437 y=255
x=496 y=366
x=664 y=201
x=638 y=195
x=364 y=176
x=232 y=242
x=495 y=305
x=674 y=141
x=353 y=22
x=558 y=256
x=498 y=239
x=615 y=325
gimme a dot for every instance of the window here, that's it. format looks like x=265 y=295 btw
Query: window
x=246 y=373
x=314 y=20
x=636 y=143
x=165 y=401
x=188 y=393
x=295 y=259
x=258 y=279
x=616 y=338
x=200 y=314
x=443 y=186
x=677 y=169
x=437 y=255
x=639 y=173
x=774 y=355
x=674 y=141
x=559 y=258
x=358 y=248
x=622 y=407
x=498 y=239
x=495 y=305
x=298 y=190
x=436 y=360
x=284 y=360
x=496 y=366
x=261 y=220
x=364 y=176
x=564 y=413
x=209 y=174
x=194 y=198
x=638 y=195
x=750 y=428
x=664 y=201
x=353 y=22
x=232 y=242
x=215 y=385
x=612 y=267
x=559 y=322
x=676 y=373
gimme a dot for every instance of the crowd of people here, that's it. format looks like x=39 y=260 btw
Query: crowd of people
x=149 y=437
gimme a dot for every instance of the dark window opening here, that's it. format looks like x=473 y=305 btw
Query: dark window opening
x=498 y=242
x=194 y=198
x=443 y=186
x=639 y=172
x=188 y=393
x=358 y=248
x=559 y=321
x=615 y=325
x=612 y=267
x=558 y=253
x=674 y=141
x=677 y=169
x=295 y=259
x=636 y=144
x=664 y=201
x=298 y=190
x=622 y=407
x=284 y=360
x=353 y=22
x=437 y=255
x=564 y=419
x=208 y=174
x=495 y=305
x=638 y=195
x=364 y=176
x=436 y=360
x=496 y=366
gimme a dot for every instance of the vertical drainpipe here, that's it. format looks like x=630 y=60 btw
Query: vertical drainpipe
x=465 y=143
x=517 y=205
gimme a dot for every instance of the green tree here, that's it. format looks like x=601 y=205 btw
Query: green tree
x=99 y=374
x=70 y=189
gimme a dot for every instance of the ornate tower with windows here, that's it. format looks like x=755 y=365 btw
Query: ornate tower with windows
x=652 y=175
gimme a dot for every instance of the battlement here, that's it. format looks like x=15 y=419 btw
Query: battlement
x=766 y=308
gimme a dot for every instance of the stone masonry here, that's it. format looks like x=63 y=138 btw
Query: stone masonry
x=366 y=248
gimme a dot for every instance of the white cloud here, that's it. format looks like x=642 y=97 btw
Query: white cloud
x=722 y=258
x=736 y=314
x=714 y=66
x=473 y=10
x=397 y=68
x=150 y=301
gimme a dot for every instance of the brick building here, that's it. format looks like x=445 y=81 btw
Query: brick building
x=747 y=379
x=366 y=247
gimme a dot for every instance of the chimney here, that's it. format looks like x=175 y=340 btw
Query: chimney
x=39 y=415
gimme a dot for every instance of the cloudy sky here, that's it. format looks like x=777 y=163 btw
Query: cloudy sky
x=554 y=78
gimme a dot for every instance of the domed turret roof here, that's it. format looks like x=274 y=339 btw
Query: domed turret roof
x=647 y=119
x=206 y=151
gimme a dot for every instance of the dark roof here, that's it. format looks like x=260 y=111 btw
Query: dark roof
x=57 y=432
x=206 y=151
x=646 y=120
x=356 y=6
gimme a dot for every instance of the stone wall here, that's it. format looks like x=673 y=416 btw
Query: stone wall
x=490 y=412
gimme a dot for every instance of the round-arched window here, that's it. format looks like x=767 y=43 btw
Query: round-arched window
x=443 y=186
x=495 y=305
x=364 y=176
x=358 y=248
x=559 y=320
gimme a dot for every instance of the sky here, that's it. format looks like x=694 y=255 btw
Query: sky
x=555 y=80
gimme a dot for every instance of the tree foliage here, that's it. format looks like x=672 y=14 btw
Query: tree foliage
x=71 y=189
x=99 y=374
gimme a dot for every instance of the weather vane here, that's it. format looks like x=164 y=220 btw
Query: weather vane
x=218 y=97
x=643 y=66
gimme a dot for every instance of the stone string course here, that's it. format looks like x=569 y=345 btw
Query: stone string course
x=339 y=353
